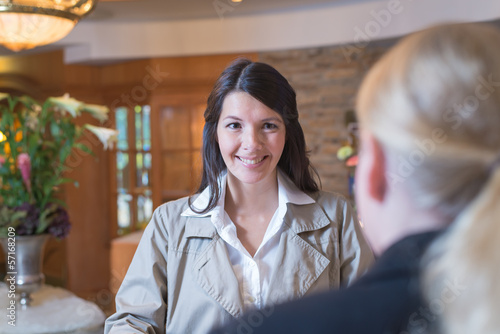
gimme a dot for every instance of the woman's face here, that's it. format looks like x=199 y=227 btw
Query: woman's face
x=251 y=138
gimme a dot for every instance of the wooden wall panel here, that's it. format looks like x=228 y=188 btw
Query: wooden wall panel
x=83 y=81
x=124 y=74
x=39 y=75
x=194 y=70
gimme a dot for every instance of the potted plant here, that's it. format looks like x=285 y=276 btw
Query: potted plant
x=35 y=141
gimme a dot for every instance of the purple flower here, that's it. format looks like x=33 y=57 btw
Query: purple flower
x=60 y=225
x=58 y=220
x=30 y=222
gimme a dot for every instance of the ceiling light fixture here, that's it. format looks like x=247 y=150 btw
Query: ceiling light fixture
x=25 y=24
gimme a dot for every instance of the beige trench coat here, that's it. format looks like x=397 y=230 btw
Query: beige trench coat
x=181 y=280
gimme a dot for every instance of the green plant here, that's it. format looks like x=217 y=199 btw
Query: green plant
x=35 y=142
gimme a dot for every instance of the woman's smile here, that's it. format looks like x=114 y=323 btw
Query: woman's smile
x=252 y=161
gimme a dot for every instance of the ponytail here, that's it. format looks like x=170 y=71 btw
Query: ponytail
x=462 y=267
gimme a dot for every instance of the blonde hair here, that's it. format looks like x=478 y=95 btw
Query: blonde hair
x=433 y=102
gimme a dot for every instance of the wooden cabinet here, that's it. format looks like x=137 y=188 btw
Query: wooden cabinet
x=177 y=129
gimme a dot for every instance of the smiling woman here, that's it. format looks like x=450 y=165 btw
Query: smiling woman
x=257 y=232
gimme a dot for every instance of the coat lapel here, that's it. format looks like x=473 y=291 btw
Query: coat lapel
x=298 y=264
x=212 y=268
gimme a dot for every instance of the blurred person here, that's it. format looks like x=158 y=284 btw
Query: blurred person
x=427 y=187
x=258 y=232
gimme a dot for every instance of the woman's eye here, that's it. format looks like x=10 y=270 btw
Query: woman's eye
x=270 y=126
x=234 y=125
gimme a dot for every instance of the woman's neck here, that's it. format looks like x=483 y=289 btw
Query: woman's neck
x=257 y=195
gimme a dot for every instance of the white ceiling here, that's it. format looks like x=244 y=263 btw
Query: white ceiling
x=147 y=10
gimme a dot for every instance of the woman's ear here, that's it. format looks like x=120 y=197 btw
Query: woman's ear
x=376 y=167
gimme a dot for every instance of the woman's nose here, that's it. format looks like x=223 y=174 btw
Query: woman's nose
x=252 y=140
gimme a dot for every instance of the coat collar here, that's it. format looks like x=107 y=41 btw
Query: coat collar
x=300 y=218
x=200 y=227
x=306 y=218
x=289 y=195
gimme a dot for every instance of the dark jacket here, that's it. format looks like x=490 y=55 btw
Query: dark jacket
x=386 y=300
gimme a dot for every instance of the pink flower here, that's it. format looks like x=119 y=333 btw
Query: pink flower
x=24 y=165
x=2 y=160
x=352 y=161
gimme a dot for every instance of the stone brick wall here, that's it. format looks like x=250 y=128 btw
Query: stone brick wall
x=326 y=83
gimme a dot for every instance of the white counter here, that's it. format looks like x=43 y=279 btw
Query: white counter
x=53 y=311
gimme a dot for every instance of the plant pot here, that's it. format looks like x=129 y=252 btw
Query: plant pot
x=24 y=255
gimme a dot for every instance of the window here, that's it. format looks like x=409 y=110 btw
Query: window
x=134 y=205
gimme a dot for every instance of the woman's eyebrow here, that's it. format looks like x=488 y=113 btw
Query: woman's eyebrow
x=232 y=117
x=236 y=118
x=276 y=119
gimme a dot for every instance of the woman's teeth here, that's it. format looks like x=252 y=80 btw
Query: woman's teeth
x=251 y=162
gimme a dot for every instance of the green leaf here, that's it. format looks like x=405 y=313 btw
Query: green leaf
x=58 y=201
x=63 y=180
x=7 y=118
x=65 y=151
x=55 y=130
x=84 y=148
x=27 y=101
x=44 y=220
x=11 y=218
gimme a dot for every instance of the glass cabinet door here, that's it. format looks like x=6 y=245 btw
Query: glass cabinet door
x=134 y=204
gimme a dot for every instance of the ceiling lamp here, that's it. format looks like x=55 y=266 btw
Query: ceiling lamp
x=25 y=24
